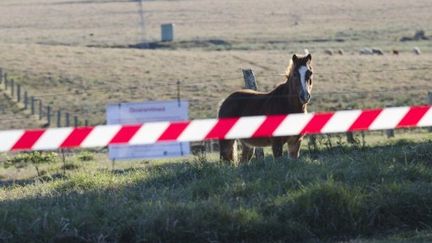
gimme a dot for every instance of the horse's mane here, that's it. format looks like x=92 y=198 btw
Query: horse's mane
x=281 y=86
x=289 y=70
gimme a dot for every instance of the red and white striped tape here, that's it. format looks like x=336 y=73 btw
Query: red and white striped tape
x=230 y=128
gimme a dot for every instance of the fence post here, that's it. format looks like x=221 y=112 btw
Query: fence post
x=75 y=121
x=18 y=93
x=6 y=81
x=86 y=122
x=40 y=110
x=312 y=143
x=48 y=108
x=59 y=118
x=32 y=104
x=12 y=84
x=389 y=133
x=250 y=83
x=178 y=93
x=430 y=97
x=249 y=79
x=1 y=75
x=67 y=119
x=25 y=100
x=350 y=137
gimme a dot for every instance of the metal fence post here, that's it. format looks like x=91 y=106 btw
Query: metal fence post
x=59 y=118
x=430 y=97
x=32 y=104
x=18 y=93
x=250 y=83
x=178 y=93
x=12 y=84
x=25 y=100
x=6 y=81
x=1 y=75
x=75 y=121
x=48 y=108
x=67 y=119
x=40 y=110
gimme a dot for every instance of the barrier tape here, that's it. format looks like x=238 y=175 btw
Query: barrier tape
x=208 y=129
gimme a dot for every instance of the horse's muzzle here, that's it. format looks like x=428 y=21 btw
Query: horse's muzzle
x=305 y=98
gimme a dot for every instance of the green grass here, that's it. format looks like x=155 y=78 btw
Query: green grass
x=375 y=194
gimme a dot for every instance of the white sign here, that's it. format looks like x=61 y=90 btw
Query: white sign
x=137 y=113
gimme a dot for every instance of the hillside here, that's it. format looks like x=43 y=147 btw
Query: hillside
x=82 y=81
x=75 y=55
x=342 y=194
x=80 y=55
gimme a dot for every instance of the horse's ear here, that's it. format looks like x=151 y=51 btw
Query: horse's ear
x=294 y=58
x=309 y=57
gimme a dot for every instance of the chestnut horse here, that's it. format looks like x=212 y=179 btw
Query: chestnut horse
x=291 y=96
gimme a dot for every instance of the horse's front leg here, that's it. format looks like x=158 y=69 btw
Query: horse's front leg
x=294 y=143
x=277 y=146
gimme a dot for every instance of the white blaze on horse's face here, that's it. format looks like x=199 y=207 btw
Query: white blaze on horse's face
x=304 y=94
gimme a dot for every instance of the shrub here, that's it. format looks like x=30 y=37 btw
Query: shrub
x=86 y=156
x=35 y=158
x=328 y=210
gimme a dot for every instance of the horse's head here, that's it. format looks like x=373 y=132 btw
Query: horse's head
x=301 y=77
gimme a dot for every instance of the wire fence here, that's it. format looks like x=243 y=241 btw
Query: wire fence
x=90 y=108
x=91 y=113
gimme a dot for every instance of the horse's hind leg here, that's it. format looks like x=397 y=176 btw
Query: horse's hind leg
x=227 y=150
x=294 y=143
x=247 y=153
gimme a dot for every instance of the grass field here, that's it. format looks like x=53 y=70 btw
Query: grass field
x=378 y=193
x=83 y=80
x=74 y=55
x=80 y=55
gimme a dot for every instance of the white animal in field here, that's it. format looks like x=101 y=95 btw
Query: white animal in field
x=366 y=51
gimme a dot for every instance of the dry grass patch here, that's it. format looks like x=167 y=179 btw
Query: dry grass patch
x=83 y=80
x=49 y=52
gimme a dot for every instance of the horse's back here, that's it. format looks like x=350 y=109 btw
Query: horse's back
x=242 y=103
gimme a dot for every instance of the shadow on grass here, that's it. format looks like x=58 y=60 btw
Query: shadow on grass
x=211 y=43
x=409 y=150
x=338 y=196
x=31 y=181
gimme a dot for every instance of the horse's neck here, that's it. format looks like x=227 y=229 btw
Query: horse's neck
x=287 y=93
